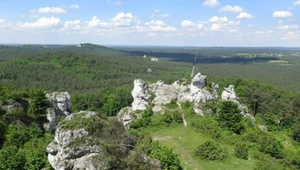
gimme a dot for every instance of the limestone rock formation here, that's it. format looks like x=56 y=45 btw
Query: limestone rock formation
x=159 y=94
x=140 y=94
x=126 y=115
x=61 y=106
x=64 y=154
x=229 y=95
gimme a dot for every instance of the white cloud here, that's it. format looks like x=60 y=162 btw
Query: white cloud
x=187 y=23
x=74 y=6
x=164 y=15
x=264 y=33
x=222 y=23
x=229 y=8
x=291 y=36
x=120 y=20
x=159 y=26
x=156 y=22
x=297 y=2
x=124 y=20
x=215 y=27
x=286 y=27
x=40 y=23
x=49 y=10
x=191 y=25
x=216 y=19
x=72 y=25
x=282 y=14
x=244 y=15
x=2 y=20
x=156 y=12
x=211 y=3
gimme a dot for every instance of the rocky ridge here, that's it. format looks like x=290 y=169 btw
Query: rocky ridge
x=159 y=94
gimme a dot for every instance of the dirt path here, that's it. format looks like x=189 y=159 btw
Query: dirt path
x=157 y=138
x=182 y=114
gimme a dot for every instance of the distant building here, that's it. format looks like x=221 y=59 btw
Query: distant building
x=154 y=59
x=78 y=45
x=145 y=56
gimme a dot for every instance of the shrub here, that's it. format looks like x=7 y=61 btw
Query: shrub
x=211 y=151
x=241 y=151
x=207 y=126
x=296 y=133
x=230 y=117
x=167 y=157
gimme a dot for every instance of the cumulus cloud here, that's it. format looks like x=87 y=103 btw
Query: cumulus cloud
x=72 y=25
x=211 y=3
x=244 y=15
x=218 y=19
x=120 y=20
x=159 y=26
x=297 y=2
x=40 y=23
x=219 y=23
x=2 y=20
x=282 y=14
x=229 y=8
x=74 y=6
x=191 y=25
x=49 y=10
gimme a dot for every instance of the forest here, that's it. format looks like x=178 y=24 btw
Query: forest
x=101 y=78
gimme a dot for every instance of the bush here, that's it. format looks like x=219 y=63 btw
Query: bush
x=207 y=126
x=296 y=133
x=230 y=117
x=211 y=151
x=241 y=151
x=167 y=157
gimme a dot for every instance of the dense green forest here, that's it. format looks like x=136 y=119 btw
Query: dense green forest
x=101 y=79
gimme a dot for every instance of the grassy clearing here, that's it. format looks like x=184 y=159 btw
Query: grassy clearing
x=185 y=139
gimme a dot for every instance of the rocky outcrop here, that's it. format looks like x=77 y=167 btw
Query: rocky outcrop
x=159 y=94
x=70 y=149
x=140 y=94
x=229 y=95
x=61 y=106
x=126 y=115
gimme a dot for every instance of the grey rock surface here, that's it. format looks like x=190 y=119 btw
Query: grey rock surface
x=61 y=106
x=65 y=153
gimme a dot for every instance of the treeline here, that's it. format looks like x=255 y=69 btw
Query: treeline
x=68 y=71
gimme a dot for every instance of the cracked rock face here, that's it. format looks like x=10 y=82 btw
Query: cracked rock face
x=68 y=150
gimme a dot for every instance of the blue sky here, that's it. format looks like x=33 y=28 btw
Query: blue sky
x=155 y=22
